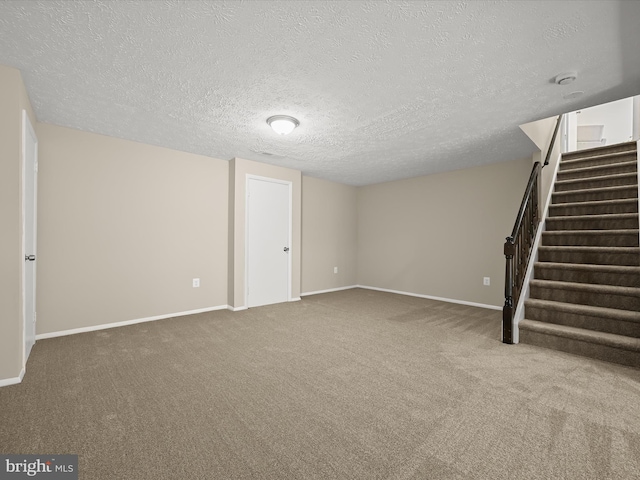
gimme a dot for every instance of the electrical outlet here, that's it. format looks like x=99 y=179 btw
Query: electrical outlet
x=486 y=281
x=196 y=282
x=335 y=269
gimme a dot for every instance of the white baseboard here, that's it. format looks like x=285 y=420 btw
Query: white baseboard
x=105 y=326
x=431 y=297
x=237 y=309
x=329 y=290
x=5 y=382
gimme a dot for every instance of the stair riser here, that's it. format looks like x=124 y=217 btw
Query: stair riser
x=600 y=182
x=579 y=297
x=628 y=192
x=578 y=347
x=587 y=276
x=597 y=258
x=600 y=151
x=627 y=206
x=574 y=223
x=607 y=325
x=613 y=169
x=566 y=165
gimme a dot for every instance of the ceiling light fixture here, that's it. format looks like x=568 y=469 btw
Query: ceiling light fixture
x=283 y=124
x=566 y=78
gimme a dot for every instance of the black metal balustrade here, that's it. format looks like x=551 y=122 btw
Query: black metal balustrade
x=519 y=245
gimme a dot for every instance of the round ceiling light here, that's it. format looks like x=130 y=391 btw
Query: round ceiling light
x=283 y=124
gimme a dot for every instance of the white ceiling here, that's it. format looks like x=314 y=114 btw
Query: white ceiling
x=383 y=89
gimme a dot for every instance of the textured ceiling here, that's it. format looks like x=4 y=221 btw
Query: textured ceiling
x=383 y=90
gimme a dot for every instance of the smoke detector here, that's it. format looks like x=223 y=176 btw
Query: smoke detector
x=566 y=78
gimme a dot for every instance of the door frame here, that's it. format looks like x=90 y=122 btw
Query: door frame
x=289 y=184
x=27 y=127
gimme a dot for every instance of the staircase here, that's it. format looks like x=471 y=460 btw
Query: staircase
x=585 y=295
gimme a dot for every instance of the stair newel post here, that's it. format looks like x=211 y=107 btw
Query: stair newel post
x=507 y=310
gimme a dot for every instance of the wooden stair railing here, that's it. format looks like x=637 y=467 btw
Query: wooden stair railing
x=519 y=245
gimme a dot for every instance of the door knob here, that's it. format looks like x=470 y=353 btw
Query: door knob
x=286 y=249
x=29 y=258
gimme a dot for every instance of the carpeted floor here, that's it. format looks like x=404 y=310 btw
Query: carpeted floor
x=355 y=384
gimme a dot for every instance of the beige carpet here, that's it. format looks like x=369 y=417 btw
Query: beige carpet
x=349 y=385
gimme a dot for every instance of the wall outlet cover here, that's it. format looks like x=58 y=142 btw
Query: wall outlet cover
x=486 y=281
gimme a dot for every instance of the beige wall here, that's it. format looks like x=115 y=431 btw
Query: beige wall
x=124 y=228
x=439 y=235
x=329 y=235
x=541 y=132
x=548 y=172
x=239 y=169
x=13 y=99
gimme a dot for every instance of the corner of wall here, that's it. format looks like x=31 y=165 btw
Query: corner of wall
x=231 y=236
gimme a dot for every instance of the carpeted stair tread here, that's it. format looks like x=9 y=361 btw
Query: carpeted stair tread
x=588 y=287
x=569 y=248
x=596 y=216
x=606 y=221
x=590 y=255
x=609 y=296
x=599 y=319
x=592 y=238
x=596 y=194
x=589 y=336
x=601 y=312
x=619 y=179
x=594 y=207
x=620 y=275
x=595 y=160
x=600 y=151
x=598 y=170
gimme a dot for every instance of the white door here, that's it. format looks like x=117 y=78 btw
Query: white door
x=268 y=240
x=29 y=192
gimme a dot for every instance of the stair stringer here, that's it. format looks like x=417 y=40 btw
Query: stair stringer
x=533 y=258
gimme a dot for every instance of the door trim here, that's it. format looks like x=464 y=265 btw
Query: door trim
x=27 y=127
x=289 y=184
